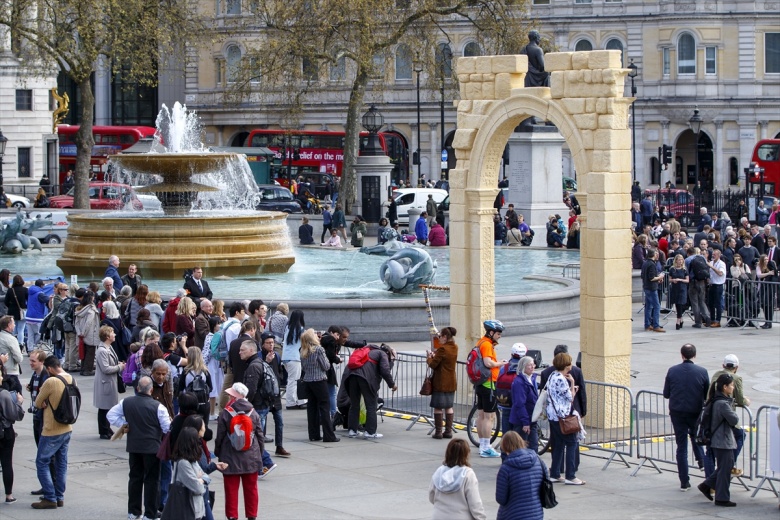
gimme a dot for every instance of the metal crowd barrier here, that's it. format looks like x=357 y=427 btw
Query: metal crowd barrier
x=609 y=428
x=766 y=427
x=571 y=271
x=750 y=302
x=656 y=441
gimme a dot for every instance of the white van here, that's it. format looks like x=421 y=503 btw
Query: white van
x=57 y=232
x=407 y=198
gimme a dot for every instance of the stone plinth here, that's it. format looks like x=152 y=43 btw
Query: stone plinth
x=378 y=167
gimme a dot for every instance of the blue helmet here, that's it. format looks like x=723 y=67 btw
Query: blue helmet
x=493 y=325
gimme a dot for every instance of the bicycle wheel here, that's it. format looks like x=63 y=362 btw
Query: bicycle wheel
x=471 y=426
x=543 y=430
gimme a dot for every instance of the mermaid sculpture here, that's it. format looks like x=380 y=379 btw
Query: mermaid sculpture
x=407 y=269
x=15 y=233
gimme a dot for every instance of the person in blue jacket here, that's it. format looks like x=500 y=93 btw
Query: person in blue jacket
x=421 y=228
x=518 y=481
x=524 y=397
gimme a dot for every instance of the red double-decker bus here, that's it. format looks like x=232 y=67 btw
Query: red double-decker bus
x=108 y=140
x=322 y=152
x=766 y=155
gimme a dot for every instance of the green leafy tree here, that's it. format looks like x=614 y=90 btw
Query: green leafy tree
x=86 y=37
x=296 y=41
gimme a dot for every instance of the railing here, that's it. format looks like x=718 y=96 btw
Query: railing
x=749 y=302
x=31 y=190
x=765 y=456
x=685 y=206
x=571 y=271
x=609 y=420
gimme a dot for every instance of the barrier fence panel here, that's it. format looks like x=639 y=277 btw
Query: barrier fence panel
x=609 y=420
x=751 y=303
x=766 y=450
x=571 y=271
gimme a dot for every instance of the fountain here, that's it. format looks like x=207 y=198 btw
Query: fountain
x=164 y=243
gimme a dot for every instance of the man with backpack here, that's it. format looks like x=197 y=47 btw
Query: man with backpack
x=366 y=368
x=686 y=386
x=506 y=377
x=64 y=320
x=486 y=391
x=58 y=416
x=730 y=366
x=697 y=288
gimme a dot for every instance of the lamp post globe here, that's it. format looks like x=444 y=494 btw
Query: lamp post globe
x=695 y=122
x=633 y=71
x=373 y=121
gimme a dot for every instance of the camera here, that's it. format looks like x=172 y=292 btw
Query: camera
x=181 y=337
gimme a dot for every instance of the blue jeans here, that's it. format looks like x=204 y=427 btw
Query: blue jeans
x=53 y=447
x=505 y=424
x=652 y=309
x=532 y=439
x=19 y=331
x=278 y=423
x=332 y=391
x=207 y=505
x=267 y=461
x=684 y=426
x=714 y=301
x=166 y=473
x=563 y=444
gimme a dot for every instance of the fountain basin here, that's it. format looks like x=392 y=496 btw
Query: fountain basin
x=239 y=243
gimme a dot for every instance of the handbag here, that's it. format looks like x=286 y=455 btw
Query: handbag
x=540 y=408
x=178 y=506
x=546 y=491
x=120 y=384
x=127 y=336
x=164 y=451
x=22 y=311
x=359 y=235
x=569 y=424
x=427 y=384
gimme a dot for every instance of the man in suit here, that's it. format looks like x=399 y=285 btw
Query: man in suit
x=580 y=402
x=757 y=240
x=646 y=208
x=197 y=286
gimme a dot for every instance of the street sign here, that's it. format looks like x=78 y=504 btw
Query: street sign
x=444 y=164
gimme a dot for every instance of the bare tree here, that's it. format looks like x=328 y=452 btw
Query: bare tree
x=87 y=37
x=295 y=40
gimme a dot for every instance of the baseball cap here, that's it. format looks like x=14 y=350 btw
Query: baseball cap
x=731 y=361
x=519 y=350
x=238 y=390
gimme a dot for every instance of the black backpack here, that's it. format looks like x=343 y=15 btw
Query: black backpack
x=67 y=411
x=63 y=318
x=199 y=387
x=700 y=269
x=268 y=386
x=704 y=430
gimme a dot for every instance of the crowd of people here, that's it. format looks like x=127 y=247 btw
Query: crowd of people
x=721 y=270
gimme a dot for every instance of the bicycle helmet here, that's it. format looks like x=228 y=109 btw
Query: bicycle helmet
x=493 y=325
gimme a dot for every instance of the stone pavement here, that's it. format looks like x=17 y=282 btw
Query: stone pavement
x=389 y=478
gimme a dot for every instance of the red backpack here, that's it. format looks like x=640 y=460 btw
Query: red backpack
x=241 y=430
x=504 y=386
x=475 y=367
x=359 y=357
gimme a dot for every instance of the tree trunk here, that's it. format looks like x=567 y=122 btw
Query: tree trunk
x=84 y=143
x=348 y=189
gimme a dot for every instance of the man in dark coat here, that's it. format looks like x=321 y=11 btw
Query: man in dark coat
x=686 y=386
x=364 y=382
x=197 y=286
x=112 y=271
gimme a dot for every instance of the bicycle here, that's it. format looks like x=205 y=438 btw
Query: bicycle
x=543 y=430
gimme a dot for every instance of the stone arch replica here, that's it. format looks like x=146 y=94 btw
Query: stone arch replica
x=585 y=101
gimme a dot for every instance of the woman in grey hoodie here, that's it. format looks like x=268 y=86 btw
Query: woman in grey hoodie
x=454 y=490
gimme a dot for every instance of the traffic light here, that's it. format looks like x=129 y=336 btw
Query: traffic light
x=416 y=157
x=666 y=153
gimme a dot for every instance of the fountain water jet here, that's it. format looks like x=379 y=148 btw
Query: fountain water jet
x=235 y=242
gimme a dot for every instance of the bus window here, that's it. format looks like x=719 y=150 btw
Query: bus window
x=768 y=152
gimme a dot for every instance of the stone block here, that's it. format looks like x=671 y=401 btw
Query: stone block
x=604 y=139
x=510 y=64
x=607 y=182
x=466 y=120
x=464 y=78
x=484 y=65
x=557 y=84
x=587 y=76
x=472 y=91
x=573 y=106
x=595 y=76
x=587 y=139
x=614 y=161
x=601 y=106
x=488 y=77
x=579 y=60
x=604 y=309
x=604 y=250
x=464 y=105
x=609 y=219
x=475 y=77
x=539 y=92
x=613 y=122
x=586 y=121
x=503 y=86
x=613 y=76
x=557 y=61
x=604 y=60
x=590 y=105
x=614 y=370
x=457 y=181
x=464 y=139
x=608 y=202
x=481 y=106
x=612 y=337
x=467 y=65
x=488 y=90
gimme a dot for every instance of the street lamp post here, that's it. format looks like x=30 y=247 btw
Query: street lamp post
x=444 y=68
x=418 y=68
x=3 y=142
x=695 y=122
x=633 y=70
x=373 y=121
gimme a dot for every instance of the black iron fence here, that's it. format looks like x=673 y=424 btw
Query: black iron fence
x=684 y=205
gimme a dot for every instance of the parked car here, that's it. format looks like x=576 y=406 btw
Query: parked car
x=680 y=204
x=149 y=200
x=17 y=201
x=408 y=198
x=277 y=198
x=57 y=232
x=102 y=195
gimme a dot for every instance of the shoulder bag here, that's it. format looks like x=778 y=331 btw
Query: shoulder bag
x=540 y=408
x=427 y=384
x=22 y=312
x=569 y=424
x=178 y=506
x=546 y=491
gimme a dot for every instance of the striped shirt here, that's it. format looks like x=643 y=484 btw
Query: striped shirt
x=315 y=365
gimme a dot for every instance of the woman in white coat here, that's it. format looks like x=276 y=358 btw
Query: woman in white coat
x=454 y=490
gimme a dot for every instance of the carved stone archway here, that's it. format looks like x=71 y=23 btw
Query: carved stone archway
x=585 y=101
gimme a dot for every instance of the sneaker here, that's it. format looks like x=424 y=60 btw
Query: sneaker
x=489 y=453
x=352 y=434
x=705 y=490
x=372 y=436
x=574 y=482
x=213 y=417
x=685 y=487
x=10 y=500
x=266 y=471
x=131 y=516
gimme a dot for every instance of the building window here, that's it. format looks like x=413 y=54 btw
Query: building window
x=733 y=171
x=218 y=63
x=472 y=49
x=541 y=2
x=772 y=53
x=338 y=71
x=616 y=45
x=444 y=60
x=24 y=99
x=667 y=62
x=232 y=63
x=133 y=103
x=583 y=45
x=582 y=1
x=233 y=6
x=709 y=60
x=686 y=54
x=379 y=65
x=23 y=161
x=309 y=69
x=403 y=63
